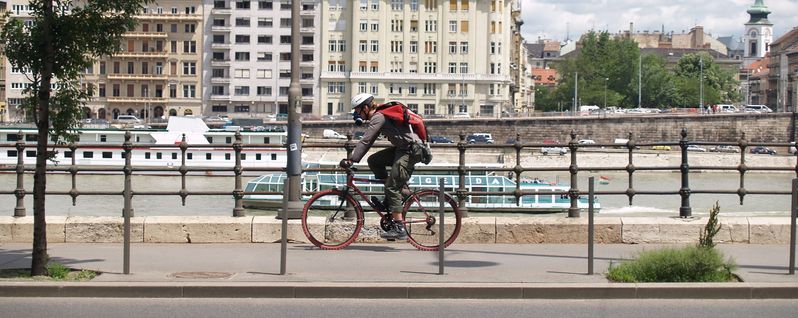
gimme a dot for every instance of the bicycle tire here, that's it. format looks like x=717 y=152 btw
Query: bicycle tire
x=325 y=220
x=421 y=210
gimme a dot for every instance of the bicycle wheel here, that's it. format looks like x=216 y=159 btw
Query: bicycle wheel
x=421 y=213
x=332 y=219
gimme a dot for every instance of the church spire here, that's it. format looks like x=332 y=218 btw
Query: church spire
x=759 y=13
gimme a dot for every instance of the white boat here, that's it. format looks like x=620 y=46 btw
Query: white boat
x=213 y=146
x=544 y=199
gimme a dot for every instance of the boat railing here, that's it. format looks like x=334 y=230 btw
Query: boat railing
x=464 y=167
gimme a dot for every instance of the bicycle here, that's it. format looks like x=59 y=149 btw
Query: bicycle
x=333 y=218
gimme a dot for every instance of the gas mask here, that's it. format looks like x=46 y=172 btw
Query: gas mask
x=357 y=118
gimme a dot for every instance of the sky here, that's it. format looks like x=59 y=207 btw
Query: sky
x=555 y=19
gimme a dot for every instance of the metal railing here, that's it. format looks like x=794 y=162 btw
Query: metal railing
x=462 y=169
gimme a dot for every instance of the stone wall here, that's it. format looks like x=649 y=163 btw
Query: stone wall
x=475 y=230
x=774 y=127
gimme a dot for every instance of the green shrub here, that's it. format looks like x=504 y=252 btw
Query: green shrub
x=686 y=264
x=711 y=229
x=57 y=271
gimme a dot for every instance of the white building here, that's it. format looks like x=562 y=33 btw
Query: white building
x=438 y=57
x=248 y=57
x=758 y=33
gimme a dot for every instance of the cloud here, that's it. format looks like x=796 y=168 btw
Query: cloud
x=558 y=19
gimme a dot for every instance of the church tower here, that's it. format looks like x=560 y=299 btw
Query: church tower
x=758 y=32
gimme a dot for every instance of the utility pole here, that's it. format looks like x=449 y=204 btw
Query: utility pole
x=576 y=92
x=701 y=80
x=294 y=144
x=640 y=81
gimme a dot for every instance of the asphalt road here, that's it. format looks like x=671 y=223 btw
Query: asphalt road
x=352 y=308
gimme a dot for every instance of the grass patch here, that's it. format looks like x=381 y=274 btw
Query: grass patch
x=686 y=264
x=56 y=272
x=697 y=263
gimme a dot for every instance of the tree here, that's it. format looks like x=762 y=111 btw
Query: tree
x=61 y=40
x=719 y=84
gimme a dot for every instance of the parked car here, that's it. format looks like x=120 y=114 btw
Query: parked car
x=696 y=148
x=329 y=133
x=478 y=139
x=440 y=140
x=757 y=109
x=587 y=142
x=725 y=148
x=127 y=119
x=727 y=108
x=553 y=150
x=461 y=115
x=763 y=150
x=486 y=135
x=661 y=147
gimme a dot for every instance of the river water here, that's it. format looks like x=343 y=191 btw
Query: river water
x=612 y=205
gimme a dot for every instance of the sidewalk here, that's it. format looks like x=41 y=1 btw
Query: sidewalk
x=382 y=270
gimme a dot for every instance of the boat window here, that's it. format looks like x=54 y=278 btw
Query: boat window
x=528 y=199
x=121 y=155
x=274 y=156
x=479 y=198
x=88 y=154
x=31 y=137
x=11 y=153
x=257 y=156
x=108 y=154
x=189 y=156
x=174 y=155
x=103 y=138
x=228 y=140
x=158 y=155
x=243 y=156
x=227 y=156
x=67 y=154
x=146 y=155
x=208 y=156
x=265 y=140
x=12 y=137
x=30 y=153
x=545 y=197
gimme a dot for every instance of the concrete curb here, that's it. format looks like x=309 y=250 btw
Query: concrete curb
x=407 y=291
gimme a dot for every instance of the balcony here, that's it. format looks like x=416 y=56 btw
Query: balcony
x=334 y=75
x=221 y=28
x=151 y=54
x=220 y=80
x=220 y=63
x=225 y=46
x=307 y=47
x=135 y=100
x=169 y=17
x=307 y=30
x=221 y=11
x=307 y=64
x=138 y=77
x=220 y=97
x=145 y=35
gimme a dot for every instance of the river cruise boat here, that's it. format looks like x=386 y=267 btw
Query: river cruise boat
x=546 y=197
x=209 y=147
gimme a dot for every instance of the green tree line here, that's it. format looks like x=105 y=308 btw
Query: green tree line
x=608 y=70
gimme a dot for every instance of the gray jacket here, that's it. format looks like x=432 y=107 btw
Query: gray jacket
x=399 y=136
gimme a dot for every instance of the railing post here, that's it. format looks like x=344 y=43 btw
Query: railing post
x=19 y=192
x=284 y=230
x=238 y=195
x=742 y=168
x=590 y=224
x=73 y=170
x=461 y=189
x=441 y=247
x=684 y=210
x=793 y=216
x=127 y=210
x=630 y=168
x=573 y=192
x=183 y=170
x=518 y=170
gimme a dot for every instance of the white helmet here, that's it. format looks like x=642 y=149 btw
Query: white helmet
x=362 y=98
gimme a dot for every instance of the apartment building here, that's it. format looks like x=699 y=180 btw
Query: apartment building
x=4 y=114
x=437 y=56
x=248 y=57
x=523 y=86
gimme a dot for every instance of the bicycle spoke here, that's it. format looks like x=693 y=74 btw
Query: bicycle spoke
x=421 y=212
x=331 y=219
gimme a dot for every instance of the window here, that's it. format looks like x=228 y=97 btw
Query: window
x=397 y=25
x=396 y=5
x=463 y=67
x=452 y=47
x=375 y=46
x=88 y=154
x=431 y=26
x=242 y=22
x=430 y=67
x=240 y=109
x=242 y=91
x=241 y=73
x=375 y=26
x=364 y=25
x=452 y=26
x=431 y=47
x=452 y=67
x=158 y=155
x=263 y=56
x=429 y=89
x=265 y=5
x=242 y=56
x=264 y=90
x=219 y=108
x=464 y=26
x=190 y=28
x=208 y=156
x=265 y=22
x=413 y=46
x=189 y=68
x=285 y=22
x=264 y=39
x=189 y=91
x=242 y=5
x=397 y=46
x=242 y=39
x=363 y=46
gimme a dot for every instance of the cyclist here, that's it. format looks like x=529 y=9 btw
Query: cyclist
x=402 y=157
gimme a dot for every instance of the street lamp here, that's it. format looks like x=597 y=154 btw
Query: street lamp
x=606 y=79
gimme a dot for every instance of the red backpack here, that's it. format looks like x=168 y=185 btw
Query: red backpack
x=402 y=115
